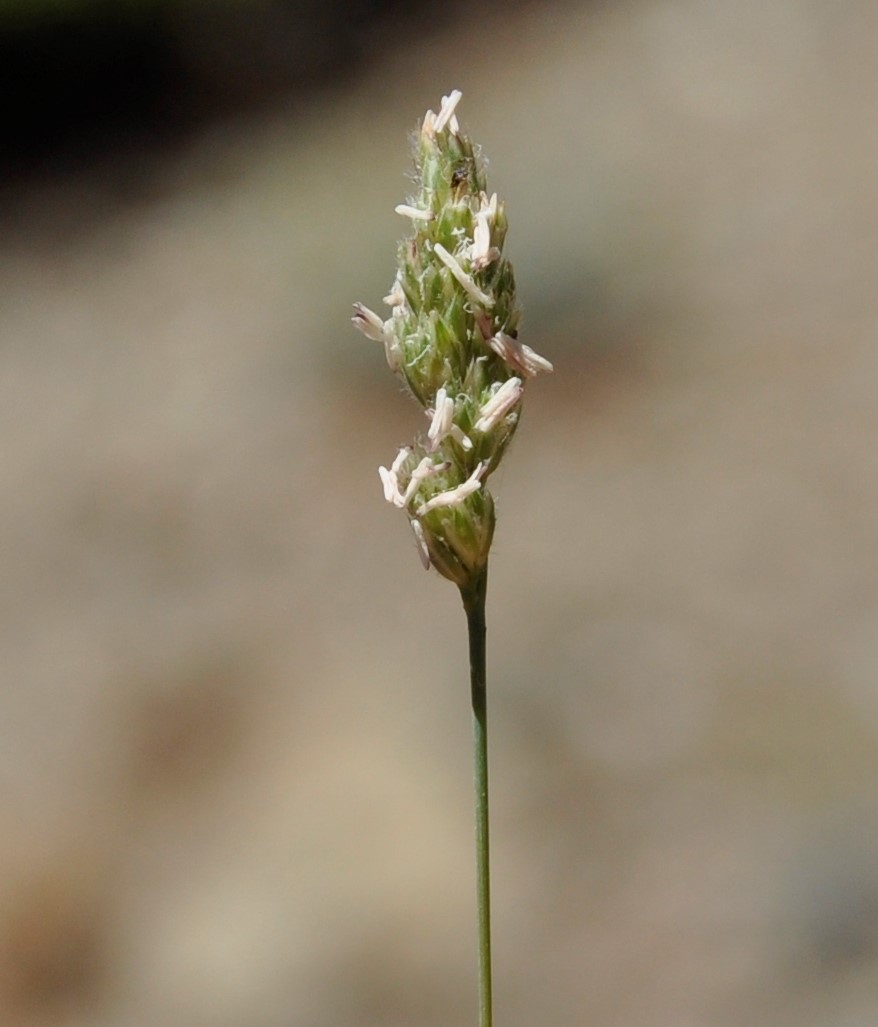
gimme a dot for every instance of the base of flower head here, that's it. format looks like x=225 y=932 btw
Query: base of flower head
x=457 y=540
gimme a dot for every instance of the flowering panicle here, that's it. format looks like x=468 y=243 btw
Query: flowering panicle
x=452 y=335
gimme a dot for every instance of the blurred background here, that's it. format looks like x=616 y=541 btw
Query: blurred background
x=234 y=723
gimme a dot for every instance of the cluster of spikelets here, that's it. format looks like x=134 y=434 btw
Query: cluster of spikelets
x=453 y=337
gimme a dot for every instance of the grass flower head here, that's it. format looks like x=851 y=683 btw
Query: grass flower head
x=453 y=338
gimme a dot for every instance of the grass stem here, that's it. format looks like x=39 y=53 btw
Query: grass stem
x=474 y=605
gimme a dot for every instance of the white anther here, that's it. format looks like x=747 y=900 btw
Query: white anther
x=424 y=469
x=499 y=405
x=368 y=322
x=400 y=459
x=446 y=112
x=465 y=280
x=415 y=213
x=452 y=497
x=391 y=487
x=443 y=415
x=460 y=437
x=396 y=297
x=518 y=356
x=483 y=253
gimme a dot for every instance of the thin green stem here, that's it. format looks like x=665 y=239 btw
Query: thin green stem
x=474 y=605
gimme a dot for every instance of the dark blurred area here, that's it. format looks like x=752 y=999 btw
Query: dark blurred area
x=92 y=80
x=234 y=728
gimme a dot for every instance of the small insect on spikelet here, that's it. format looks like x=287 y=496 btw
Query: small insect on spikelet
x=452 y=335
